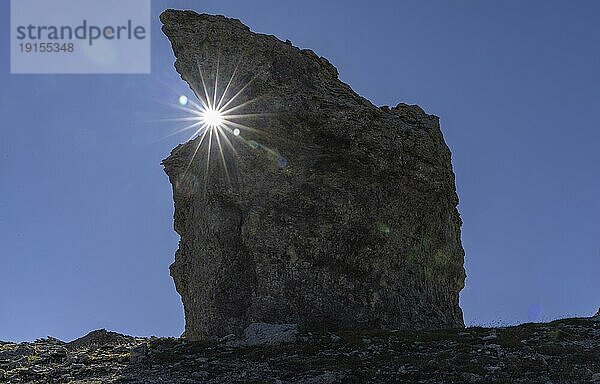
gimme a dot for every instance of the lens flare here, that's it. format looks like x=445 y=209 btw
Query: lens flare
x=183 y=100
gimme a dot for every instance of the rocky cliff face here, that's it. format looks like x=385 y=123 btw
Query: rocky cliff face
x=328 y=212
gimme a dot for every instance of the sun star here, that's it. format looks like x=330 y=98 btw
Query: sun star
x=216 y=117
x=212 y=118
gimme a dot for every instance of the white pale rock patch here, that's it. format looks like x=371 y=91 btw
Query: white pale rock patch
x=269 y=334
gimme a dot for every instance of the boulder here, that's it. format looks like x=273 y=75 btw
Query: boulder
x=98 y=338
x=311 y=205
x=269 y=334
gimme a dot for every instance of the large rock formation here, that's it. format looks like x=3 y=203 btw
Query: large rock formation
x=332 y=214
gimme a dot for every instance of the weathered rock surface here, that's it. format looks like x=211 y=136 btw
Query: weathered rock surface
x=269 y=334
x=337 y=214
x=564 y=351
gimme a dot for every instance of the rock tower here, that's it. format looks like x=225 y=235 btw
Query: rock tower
x=325 y=211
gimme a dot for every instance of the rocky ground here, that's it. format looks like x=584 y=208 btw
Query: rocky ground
x=563 y=351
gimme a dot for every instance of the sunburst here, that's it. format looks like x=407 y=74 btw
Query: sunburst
x=216 y=119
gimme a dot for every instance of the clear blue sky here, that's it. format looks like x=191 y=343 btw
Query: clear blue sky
x=86 y=232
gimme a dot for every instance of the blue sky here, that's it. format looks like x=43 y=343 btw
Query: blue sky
x=86 y=232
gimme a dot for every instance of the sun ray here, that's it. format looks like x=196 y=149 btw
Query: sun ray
x=222 y=156
x=235 y=108
x=242 y=126
x=197 y=92
x=238 y=93
x=204 y=86
x=227 y=86
x=216 y=86
x=228 y=142
x=233 y=74
x=195 y=105
x=245 y=116
x=180 y=107
x=195 y=152
x=193 y=118
x=188 y=127
x=208 y=150
x=181 y=130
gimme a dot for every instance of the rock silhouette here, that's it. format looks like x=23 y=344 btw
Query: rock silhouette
x=326 y=211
